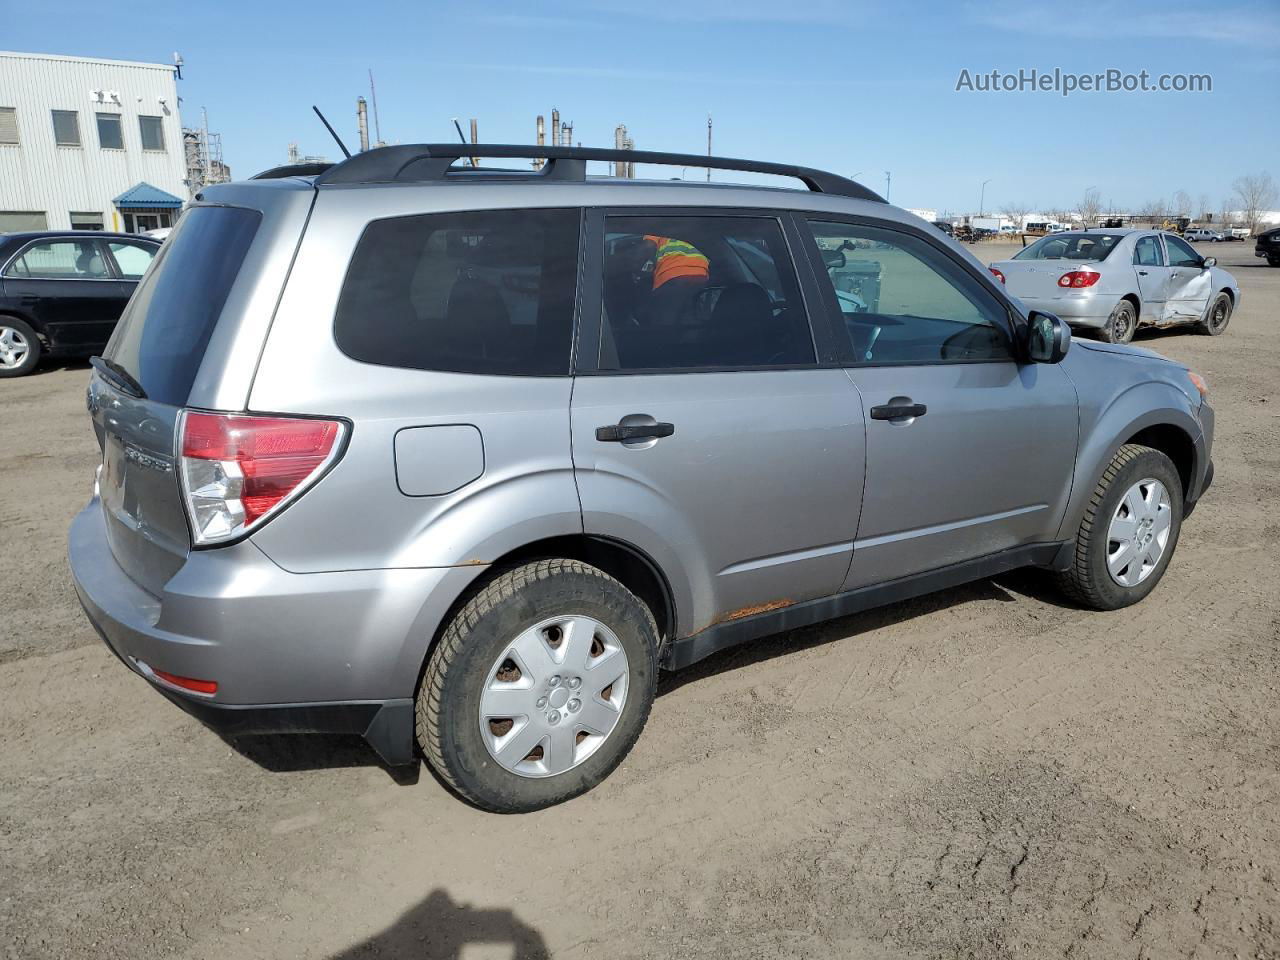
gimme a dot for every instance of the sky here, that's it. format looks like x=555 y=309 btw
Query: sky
x=864 y=88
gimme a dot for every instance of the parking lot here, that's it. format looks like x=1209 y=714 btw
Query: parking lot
x=986 y=772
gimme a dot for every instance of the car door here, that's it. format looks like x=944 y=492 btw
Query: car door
x=1152 y=275
x=704 y=430
x=968 y=452
x=66 y=285
x=1190 y=282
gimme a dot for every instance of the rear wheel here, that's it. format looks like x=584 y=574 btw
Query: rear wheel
x=20 y=348
x=539 y=686
x=1129 y=531
x=1219 y=315
x=1122 y=323
x=1274 y=261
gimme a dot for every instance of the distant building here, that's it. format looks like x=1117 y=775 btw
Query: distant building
x=89 y=144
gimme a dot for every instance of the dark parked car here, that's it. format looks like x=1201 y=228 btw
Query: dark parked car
x=945 y=227
x=1268 y=245
x=61 y=293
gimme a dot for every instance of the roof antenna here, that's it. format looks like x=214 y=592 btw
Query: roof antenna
x=341 y=146
x=461 y=136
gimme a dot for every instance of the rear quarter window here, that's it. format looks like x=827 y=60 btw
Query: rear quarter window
x=488 y=292
x=163 y=333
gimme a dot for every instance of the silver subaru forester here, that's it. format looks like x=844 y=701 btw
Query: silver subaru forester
x=457 y=458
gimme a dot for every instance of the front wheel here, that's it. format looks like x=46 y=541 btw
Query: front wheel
x=539 y=686
x=1121 y=325
x=1219 y=315
x=1130 y=529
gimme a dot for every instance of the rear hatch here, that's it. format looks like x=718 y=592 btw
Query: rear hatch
x=138 y=390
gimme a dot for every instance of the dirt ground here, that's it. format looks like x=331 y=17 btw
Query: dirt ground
x=982 y=773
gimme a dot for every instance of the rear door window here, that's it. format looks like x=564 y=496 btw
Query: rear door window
x=688 y=292
x=162 y=336
x=60 y=260
x=489 y=292
x=132 y=258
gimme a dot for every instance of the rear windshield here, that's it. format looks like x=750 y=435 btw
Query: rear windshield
x=1071 y=246
x=477 y=292
x=162 y=336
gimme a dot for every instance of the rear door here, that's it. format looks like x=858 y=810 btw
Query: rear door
x=66 y=285
x=1190 y=282
x=968 y=452
x=159 y=345
x=1152 y=275
x=705 y=430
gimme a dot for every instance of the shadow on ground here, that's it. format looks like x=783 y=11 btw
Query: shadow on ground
x=439 y=929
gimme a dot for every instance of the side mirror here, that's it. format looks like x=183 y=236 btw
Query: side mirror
x=1048 y=338
x=834 y=259
x=1209 y=262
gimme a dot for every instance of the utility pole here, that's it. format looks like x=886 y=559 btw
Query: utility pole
x=888 y=177
x=475 y=138
x=708 y=146
x=982 y=197
x=377 y=127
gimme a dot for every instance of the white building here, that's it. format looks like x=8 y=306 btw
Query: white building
x=89 y=144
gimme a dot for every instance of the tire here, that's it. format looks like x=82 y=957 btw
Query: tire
x=1273 y=261
x=1088 y=581
x=1121 y=325
x=20 y=348
x=526 y=608
x=1218 y=316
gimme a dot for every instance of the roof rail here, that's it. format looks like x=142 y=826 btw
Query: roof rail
x=432 y=161
x=292 y=170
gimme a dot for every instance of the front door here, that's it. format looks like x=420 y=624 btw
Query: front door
x=1190 y=282
x=67 y=287
x=969 y=453
x=1153 y=276
x=704 y=432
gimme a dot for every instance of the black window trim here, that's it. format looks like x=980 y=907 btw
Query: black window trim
x=985 y=285
x=590 y=317
x=89 y=236
x=580 y=210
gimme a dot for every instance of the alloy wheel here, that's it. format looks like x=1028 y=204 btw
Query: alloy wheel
x=13 y=348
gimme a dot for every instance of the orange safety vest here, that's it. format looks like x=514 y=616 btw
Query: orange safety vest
x=676 y=258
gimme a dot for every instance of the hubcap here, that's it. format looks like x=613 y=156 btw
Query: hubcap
x=13 y=348
x=553 y=696
x=1139 y=532
x=1122 y=325
x=1219 y=314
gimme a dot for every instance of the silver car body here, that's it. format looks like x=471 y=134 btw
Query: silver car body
x=1162 y=295
x=779 y=501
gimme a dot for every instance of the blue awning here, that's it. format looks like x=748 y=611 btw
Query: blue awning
x=144 y=196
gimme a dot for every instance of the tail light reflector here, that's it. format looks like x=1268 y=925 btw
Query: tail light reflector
x=187 y=683
x=238 y=470
x=1079 y=278
x=997 y=274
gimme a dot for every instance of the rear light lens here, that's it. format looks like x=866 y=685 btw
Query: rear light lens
x=997 y=274
x=237 y=471
x=209 y=687
x=1079 y=278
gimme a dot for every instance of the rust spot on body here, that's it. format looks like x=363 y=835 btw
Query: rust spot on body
x=752 y=610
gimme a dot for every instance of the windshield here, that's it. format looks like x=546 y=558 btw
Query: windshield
x=1071 y=246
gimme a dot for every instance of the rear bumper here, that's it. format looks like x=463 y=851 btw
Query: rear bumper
x=1079 y=309
x=325 y=653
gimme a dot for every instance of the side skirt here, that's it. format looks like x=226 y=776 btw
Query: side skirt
x=721 y=636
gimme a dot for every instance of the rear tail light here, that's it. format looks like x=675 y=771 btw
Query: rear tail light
x=997 y=274
x=1079 y=278
x=209 y=687
x=237 y=471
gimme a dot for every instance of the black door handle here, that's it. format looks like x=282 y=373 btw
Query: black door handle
x=1142 y=273
x=898 y=411
x=618 y=432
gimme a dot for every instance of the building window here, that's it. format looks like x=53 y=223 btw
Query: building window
x=140 y=221
x=152 y=132
x=110 y=135
x=8 y=125
x=86 y=221
x=18 y=221
x=66 y=128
